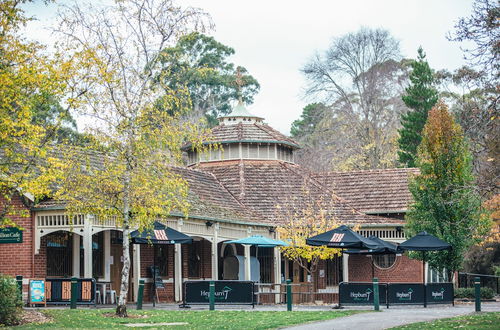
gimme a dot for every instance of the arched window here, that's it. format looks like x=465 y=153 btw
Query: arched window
x=384 y=261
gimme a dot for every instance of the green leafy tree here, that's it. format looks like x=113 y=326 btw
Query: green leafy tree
x=200 y=63
x=311 y=116
x=27 y=77
x=446 y=203
x=420 y=97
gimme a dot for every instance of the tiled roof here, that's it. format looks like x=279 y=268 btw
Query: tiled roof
x=207 y=197
x=372 y=191
x=250 y=133
x=264 y=186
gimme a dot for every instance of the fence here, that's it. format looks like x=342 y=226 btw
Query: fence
x=466 y=280
x=303 y=293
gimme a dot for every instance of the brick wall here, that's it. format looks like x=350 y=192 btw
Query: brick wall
x=16 y=258
x=404 y=270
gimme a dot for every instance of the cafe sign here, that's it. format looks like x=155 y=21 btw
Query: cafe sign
x=10 y=235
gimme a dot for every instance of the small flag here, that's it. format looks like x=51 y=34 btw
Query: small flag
x=161 y=235
x=336 y=238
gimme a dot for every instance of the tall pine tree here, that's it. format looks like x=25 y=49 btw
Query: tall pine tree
x=420 y=97
x=446 y=203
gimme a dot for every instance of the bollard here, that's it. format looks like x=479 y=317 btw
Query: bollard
x=288 y=295
x=19 y=280
x=376 y=302
x=477 y=287
x=140 y=294
x=74 y=292
x=211 y=297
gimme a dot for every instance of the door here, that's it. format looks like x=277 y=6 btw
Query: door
x=116 y=270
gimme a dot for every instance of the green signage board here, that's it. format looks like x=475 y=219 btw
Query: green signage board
x=10 y=235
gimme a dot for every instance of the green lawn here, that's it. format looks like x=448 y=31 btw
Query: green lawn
x=472 y=321
x=195 y=319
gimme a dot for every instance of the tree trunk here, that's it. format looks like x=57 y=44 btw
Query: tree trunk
x=121 y=309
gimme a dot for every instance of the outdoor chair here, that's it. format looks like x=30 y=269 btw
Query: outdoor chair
x=111 y=294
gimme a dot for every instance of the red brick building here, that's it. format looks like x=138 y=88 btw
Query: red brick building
x=234 y=193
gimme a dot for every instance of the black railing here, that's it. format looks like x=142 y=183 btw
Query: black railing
x=466 y=280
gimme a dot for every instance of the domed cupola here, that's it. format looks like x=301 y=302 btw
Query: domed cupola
x=242 y=135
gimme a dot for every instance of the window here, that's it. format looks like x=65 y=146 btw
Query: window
x=59 y=254
x=162 y=258
x=333 y=271
x=436 y=276
x=384 y=261
x=97 y=255
x=266 y=261
x=195 y=252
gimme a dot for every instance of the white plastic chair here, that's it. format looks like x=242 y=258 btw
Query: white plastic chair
x=112 y=295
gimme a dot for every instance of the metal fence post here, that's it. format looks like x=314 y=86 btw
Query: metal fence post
x=74 y=292
x=19 y=279
x=477 y=286
x=376 y=302
x=211 y=297
x=288 y=295
x=140 y=294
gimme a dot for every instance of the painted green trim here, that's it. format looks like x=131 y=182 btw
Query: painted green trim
x=49 y=208
x=385 y=211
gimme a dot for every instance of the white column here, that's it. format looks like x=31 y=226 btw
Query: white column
x=107 y=255
x=277 y=273
x=178 y=272
x=345 y=267
x=247 y=262
x=87 y=248
x=215 y=253
x=137 y=268
x=76 y=255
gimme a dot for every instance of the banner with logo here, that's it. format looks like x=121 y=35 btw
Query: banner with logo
x=226 y=292
x=405 y=293
x=439 y=293
x=360 y=293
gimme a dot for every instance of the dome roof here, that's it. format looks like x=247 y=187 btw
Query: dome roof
x=240 y=111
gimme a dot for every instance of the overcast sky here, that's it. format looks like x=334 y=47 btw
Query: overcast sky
x=273 y=39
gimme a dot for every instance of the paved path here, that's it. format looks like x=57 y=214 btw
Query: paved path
x=395 y=316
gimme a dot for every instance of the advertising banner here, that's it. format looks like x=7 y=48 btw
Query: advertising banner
x=226 y=292
x=406 y=293
x=37 y=292
x=360 y=293
x=439 y=293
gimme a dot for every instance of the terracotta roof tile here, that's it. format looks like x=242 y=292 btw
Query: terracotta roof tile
x=263 y=185
x=249 y=132
x=372 y=191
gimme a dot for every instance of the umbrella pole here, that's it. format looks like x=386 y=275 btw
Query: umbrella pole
x=423 y=278
x=373 y=270
x=154 y=274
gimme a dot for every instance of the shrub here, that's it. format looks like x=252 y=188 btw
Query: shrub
x=10 y=301
x=486 y=293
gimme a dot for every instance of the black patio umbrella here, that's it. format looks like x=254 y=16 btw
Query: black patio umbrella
x=159 y=234
x=342 y=237
x=424 y=242
x=384 y=247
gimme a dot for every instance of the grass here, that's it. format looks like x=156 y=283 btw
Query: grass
x=195 y=319
x=473 y=321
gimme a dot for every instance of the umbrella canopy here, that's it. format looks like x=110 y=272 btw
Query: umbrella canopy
x=383 y=247
x=260 y=241
x=159 y=234
x=424 y=241
x=342 y=237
